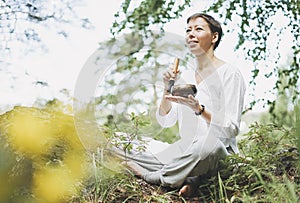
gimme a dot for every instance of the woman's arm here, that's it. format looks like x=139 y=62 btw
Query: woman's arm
x=166 y=117
x=167 y=113
x=165 y=105
x=193 y=103
x=201 y=110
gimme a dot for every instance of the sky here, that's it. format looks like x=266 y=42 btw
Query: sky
x=60 y=65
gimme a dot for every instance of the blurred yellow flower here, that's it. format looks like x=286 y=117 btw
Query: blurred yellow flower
x=53 y=184
x=77 y=163
x=28 y=134
x=48 y=140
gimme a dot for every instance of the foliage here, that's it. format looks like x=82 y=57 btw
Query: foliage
x=41 y=157
x=127 y=136
x=146 y=14
x=40 y=147
x=21 y=20
x=111 y=184
x=283 y=111
x=267 y=170
x=133 y=81
x=259 y=24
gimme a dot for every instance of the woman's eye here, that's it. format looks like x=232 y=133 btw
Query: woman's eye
x=199 y=28
x=187 y=30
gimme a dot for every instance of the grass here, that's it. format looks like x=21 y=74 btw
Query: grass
x=266 y=170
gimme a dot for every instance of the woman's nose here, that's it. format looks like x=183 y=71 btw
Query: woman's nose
x=191 y=34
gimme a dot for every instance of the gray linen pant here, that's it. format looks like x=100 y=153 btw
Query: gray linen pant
x=188 y=164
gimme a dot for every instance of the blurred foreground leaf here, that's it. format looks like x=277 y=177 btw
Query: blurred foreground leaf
x=41 y=157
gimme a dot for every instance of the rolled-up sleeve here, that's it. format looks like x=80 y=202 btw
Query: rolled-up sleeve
x=169 y=119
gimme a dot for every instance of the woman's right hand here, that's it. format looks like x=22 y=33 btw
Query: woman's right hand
x=166 y=105
x=169 y=74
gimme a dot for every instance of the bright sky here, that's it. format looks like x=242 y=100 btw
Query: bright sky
x=61 y=65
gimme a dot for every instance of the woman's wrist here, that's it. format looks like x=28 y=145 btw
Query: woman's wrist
x=200 y=110
x=166 y=91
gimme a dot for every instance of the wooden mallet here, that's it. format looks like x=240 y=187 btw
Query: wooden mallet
x=175 y=71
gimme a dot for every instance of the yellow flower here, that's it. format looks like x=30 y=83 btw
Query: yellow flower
x=54 y=184
x=29 y=134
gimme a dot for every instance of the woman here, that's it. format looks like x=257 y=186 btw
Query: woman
x=208 y=123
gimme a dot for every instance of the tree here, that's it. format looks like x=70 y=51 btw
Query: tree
x=21 y=21
x=282 y=112
x=252 y=19
x=131 y=68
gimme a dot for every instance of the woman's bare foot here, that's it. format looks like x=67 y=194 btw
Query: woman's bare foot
x=133 y=167
x=188 y=191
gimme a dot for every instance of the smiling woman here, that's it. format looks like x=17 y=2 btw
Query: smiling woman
x=208 y=122
x=200 y=31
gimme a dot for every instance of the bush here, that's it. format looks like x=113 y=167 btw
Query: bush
x=41 y=156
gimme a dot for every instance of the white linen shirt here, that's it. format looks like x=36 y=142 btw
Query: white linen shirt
x=222 y=93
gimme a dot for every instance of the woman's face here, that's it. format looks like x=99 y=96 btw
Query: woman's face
x=199 y=37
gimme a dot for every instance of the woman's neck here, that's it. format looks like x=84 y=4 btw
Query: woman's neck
x=206 y=61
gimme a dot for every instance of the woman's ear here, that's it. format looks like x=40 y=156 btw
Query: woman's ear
x=215 y=37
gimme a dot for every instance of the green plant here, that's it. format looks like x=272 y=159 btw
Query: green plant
x=126 y=136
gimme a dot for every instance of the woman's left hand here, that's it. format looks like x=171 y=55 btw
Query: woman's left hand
x=189 y=101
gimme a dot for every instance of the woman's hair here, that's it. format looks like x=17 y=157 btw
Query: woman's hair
x=213 y=24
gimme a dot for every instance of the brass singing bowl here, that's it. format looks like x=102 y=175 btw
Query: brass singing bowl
x=184 y=90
